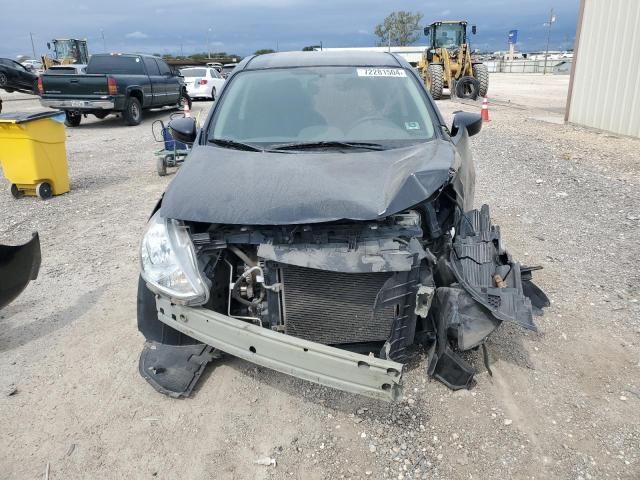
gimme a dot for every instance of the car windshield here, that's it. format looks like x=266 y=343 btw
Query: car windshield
x=194 y=72
x=323 y=104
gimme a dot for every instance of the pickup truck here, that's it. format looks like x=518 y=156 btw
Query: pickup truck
x=126 y=84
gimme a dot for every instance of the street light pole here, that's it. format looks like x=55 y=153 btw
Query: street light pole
x=33 y=47
x=209 y=43
x=552 y=20
x=104 y=43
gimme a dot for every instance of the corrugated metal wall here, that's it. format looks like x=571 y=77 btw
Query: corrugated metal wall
x=606 y=82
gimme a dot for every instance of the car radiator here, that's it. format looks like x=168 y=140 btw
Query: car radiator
x=334 y=307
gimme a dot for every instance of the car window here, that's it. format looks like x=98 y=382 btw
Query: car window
x=194 y=72
x=18 y=66
x=213 y=73
x=347 y=104
x=115 y=64
x=164 y=68
x=152 y=66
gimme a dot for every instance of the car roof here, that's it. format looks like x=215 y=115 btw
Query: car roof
x=316 y=59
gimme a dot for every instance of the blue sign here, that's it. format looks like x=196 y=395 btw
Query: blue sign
x=513 y=37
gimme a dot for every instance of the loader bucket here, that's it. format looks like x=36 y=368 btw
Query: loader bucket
x=19 y=265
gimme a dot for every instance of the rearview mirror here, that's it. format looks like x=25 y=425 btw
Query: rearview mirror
x=427 y=31
x=471 y=121
x=183 y=129
x=473 y=29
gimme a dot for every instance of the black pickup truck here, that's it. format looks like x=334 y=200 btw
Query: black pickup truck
x=126 y=84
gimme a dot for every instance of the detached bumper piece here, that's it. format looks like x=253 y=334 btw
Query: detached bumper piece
x=333 y=367
x=489 y=288
x=19 y=265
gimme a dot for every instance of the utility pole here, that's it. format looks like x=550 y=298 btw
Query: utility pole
x=33 y=47
x=181 y=50
x=209 y=43
x=104 y=43
x=552 y=20
x=389 y=41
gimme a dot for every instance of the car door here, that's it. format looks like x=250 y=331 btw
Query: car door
x=157 y=92
x=24 y=78
x=217 y=80
x=171 y=82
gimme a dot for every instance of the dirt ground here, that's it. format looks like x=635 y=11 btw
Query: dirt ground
x=562 y=403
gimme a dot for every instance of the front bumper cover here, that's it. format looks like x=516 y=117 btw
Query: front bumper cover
x=330 y=366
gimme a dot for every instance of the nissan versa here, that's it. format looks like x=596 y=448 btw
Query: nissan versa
x=323 y=226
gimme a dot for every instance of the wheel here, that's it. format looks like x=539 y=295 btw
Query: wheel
x=435 y=80
x=16 y=192
x=72 y=119
x=101 y=115
x=467 y=87
x=132 y=111
x=161 y=166
x=184 y=99
x=3 y=80
x=213 y=94
x=481 y=72
x=43 y=190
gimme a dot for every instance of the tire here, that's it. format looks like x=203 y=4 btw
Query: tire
x=467 y=88
x=181 y=101
x=43 y=190
x=15 y=192
x=213 y=94
x=161 y=166
x=3 y=80
x=72 y=119
x=435 y=80
x=132 y=111
x=101 y=115
x=481 y=73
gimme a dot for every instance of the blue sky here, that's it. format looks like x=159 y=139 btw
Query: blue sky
x=243 y=26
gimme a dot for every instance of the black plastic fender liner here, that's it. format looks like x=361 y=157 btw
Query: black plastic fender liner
x=19 y=265
x=174 y=370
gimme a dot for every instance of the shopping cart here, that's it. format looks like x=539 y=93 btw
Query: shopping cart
x=174 y=152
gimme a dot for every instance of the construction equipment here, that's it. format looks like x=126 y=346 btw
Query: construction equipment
x=66 y=51
x=447 y=62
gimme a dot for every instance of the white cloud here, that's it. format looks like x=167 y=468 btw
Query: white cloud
x=137 y=34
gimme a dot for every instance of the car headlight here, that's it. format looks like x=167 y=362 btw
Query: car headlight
x=168 y=262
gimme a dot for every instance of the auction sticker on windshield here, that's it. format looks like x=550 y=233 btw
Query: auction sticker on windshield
x=381 y=72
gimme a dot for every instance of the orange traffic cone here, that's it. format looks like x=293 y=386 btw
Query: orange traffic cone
x=485 y=110
x=187 y=110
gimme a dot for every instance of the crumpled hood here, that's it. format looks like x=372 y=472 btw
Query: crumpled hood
x=221 y=185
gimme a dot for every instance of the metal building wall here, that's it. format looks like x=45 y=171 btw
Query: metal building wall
x=605 y=85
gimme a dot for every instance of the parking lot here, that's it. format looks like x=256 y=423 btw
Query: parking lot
x=562 y=403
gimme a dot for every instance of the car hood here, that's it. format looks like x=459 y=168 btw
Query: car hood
x=221 y=185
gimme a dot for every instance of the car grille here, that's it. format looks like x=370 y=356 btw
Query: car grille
x=333 y=307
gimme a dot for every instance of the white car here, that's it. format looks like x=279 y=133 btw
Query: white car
x=202 y=82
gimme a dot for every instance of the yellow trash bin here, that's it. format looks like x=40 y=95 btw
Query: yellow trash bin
x=33 y=154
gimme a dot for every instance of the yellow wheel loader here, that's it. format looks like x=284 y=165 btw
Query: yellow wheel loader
x=447 y=62
x=66 y=51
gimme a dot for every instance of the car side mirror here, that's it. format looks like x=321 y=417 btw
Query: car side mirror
x=471 y=121
x=183 y=129
x=473 y=29
x=427 y=31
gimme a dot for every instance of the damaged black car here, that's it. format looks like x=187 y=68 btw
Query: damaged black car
x=323 y=226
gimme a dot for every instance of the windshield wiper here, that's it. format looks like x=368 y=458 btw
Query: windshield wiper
x=327 y=144
x=223 y=142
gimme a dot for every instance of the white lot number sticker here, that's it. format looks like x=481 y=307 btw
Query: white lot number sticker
x=381 y=72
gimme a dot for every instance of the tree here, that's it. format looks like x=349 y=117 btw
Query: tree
x=399 y=27
x=262 y=51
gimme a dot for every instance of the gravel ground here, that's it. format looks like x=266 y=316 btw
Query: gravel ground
x=562 y=403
